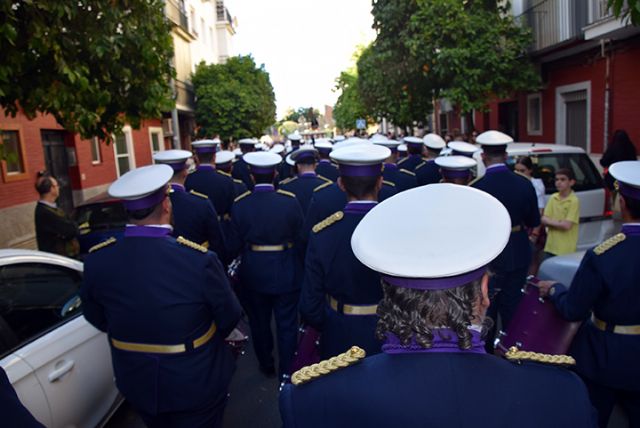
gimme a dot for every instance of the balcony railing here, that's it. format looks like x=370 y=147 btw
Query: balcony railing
x=222 y=13
x=554 y=21
x=177 y=14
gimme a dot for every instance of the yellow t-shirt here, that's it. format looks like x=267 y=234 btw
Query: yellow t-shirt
x=562 y=241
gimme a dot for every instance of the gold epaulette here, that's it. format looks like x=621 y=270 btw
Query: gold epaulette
x=388 y=183
x=184 y=241
x=247 y=193
x=202 y=195
x=514 y=354
x=338 y=362
x=236 y=180
x=420 y=165
x=475 y=180
x=102 y=244
x=609 y=243
x=322 y=177
x=226 y=174
x=287 y=180
x=406 y=171
x=284 y=192
x=402 y=160
x=337 y=216
x=322 y=186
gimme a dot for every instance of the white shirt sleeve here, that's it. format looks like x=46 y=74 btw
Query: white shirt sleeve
x=540 y=191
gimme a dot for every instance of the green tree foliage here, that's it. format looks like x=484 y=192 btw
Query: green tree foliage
x=234 y=99
x=471 y=50
x=94 y=65
x=391 y=80
x=632 y=12
x=349 y=107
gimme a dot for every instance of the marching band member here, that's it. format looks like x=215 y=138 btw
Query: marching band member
x=240 y=167
x=166 y=306
x=224 y=166
x=455 y=169
x=414 y=148
x=306 y=179
x=325 y=168
x=428 y=172
x=339 y=294
x=605 y=294
x=400 y=177
x=433 y=370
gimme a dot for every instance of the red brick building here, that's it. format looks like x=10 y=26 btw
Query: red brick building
x=589 y=65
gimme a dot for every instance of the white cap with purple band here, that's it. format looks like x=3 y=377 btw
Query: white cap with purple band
x=455 y=166
x=224 y=156
x=142 y=187
x=262 y=162
x=465 y=246
x=205 y=146
x=176 y=159
x=360 y=160
x=627 y=174
x=434 y=141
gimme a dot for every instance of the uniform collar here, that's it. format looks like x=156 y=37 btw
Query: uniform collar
x=324 y=161
x=631 y=229
x=359 y=207
x=176 y=187
x=444 y=340
x=264 y=187
x=499 y=167
x=390 y=166
x=149 y=231
x=49 y=204
x=205 y=167
x=307 y=174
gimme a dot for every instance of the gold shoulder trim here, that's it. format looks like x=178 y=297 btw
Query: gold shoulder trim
x=288 y=180
x=236 y=180
x=202 y=195
x=325 y=367
x=609 y=243
x=247 y=193
x=226 y=174
x=191 y=244
x=420 y=165
x=322 y=186
x=388 y=183
x=474 y=180
x=406 y=171
x=514 y=354
x=102 y=244
x=402 y=160
x=284 y=192
x=322 y=177
x=335 y=217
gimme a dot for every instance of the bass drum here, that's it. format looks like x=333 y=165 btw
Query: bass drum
x=308 y=350
x=537 y=326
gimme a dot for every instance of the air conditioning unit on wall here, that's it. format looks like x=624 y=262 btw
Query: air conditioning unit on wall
x=167 y=127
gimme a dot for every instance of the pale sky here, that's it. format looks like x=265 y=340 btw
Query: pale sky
x=304 y=44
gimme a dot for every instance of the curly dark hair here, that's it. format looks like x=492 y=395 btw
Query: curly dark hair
x=414 y=314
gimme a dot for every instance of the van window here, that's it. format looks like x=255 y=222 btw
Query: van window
x=545 y=165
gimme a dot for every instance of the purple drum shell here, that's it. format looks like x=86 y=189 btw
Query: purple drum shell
x=307 y=352
x=537 y=326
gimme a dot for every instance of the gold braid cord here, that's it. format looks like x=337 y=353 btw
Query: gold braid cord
x=183 y=241
x=102 y=244
x=338 y=362
x=337 y=216
x=516 y=355
x=609 y=243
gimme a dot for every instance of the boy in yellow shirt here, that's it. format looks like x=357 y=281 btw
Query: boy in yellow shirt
x=562 y=216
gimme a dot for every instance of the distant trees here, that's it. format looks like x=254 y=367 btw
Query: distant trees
x=234 y=99
x=93 y=65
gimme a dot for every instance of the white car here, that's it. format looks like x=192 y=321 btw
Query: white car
x=58 y=363
x=596 y=222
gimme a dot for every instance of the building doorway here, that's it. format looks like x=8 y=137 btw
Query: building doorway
x=508 y=119
x=576 y=118
x=57 y=163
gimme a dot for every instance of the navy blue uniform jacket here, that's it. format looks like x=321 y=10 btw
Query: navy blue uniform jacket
x=403 y=179
x=410 y=162
x=328 y=170
x=153 y=290
x=268 y=217
x=519 y=197
x=331 y=269
x=216 y=186
x=428 y=172
x=609 y=285
x=195 y=219
x=242 y=173
x=439 y=390
x=302 y=186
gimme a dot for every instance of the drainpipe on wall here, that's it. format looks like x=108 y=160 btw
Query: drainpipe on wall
x=175 y=124
x=607 y=91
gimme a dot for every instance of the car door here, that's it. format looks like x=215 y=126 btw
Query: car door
x=29 y=390
x=70 y=358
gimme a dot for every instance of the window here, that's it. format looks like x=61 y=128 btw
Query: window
x=95 y=151
x=34 y=298
x=123 y=148
x=534 y=114
x=202 y=27
x=193 y=22
x=12 y=153
x=156 y=140
x=444 y=123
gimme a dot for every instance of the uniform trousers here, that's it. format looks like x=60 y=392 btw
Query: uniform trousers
x=206 y=417
x=505 y=295
x=284 y=307
x=604 y=399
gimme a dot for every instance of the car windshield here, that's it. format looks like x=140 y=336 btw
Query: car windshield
x=545 y=165
x=103 y=216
